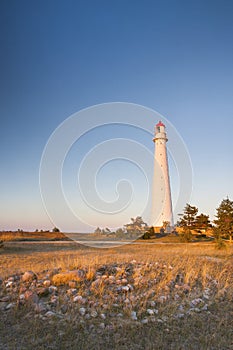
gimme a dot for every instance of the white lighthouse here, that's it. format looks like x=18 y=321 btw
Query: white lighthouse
x=161 y=197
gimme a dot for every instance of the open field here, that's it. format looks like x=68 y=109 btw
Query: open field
x=142 y=296
x=31 y=236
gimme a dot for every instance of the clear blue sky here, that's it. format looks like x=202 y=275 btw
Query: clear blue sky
x=58 y=57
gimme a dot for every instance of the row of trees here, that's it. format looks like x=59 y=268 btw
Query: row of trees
x=137 y=227
x=55 y=229
x=190 y=220
x=222 y=226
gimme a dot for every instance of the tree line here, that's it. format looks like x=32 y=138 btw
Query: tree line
x=189 y=221
x=222 y=225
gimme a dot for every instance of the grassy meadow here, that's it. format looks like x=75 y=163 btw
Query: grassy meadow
x=138 y=296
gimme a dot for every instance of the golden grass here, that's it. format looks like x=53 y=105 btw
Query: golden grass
x=8 y=236
x=64 y=278
x=193 y=259
x=198 y=265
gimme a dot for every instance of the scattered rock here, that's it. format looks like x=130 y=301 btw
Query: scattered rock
x=159 y=320
x=150 y=312
x=78 y=298
x=118 y=297
x=10 y=306
x=29 y=276
x=39 y=308
x=3 y=306
x=204 y=308
x=194 y=309
x=9 y=284
x=94 y=314
x=130 y=287
x=124 y=281
x=111 y=279
x=127 y=301
x=96 y=283
x=52 y=289
x=50 y=314
x=134 y=315
x=82 y=311
x=31 y=296
x=54 y=299
x=5 y=298
x=144 y=321
x=47 y=283
x=196 y=301
x=21 y=297
x=71 y=291
x=164 y=318
x=42 y=292
x=64 y=308
x=186 y=288
x=162 y=299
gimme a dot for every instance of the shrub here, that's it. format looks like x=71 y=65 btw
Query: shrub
x=220 y=244
x=186 y=236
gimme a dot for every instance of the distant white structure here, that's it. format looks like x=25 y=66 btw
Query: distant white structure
x=161 y=197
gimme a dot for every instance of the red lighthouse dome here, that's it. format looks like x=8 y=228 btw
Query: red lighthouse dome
x=160 y=124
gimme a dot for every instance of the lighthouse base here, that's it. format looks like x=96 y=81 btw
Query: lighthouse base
x=162 y=229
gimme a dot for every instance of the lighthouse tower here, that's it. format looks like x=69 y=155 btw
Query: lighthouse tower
x=161 y=197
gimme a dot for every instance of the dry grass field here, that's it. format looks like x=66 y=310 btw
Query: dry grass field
x=138 y=296
x=31 y=236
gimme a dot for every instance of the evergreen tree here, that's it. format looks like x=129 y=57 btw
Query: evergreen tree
x=98 y=231
x=202 y=221
x=107 y=231
x=120 y=233
x=188 y=218
x=136 y=227
x=149 y=233
x=224 y=219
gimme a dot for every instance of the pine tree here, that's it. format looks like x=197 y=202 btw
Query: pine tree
x=187 y=222
x=202 y=221
x=98 y=231
x=136 y=227
x=188 y=218
x=224 y=219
